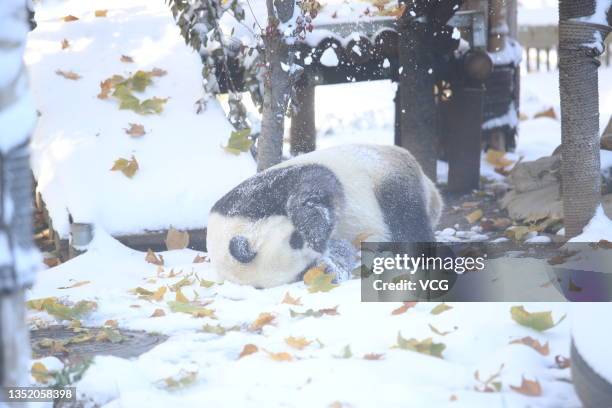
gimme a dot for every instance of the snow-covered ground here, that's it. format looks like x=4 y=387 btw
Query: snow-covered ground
x=342 y=357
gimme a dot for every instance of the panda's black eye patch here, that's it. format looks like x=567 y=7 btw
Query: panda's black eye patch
x=296 y=241
x=240 y=249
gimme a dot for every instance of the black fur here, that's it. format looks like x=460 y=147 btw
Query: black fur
x=403 y=206
x=308 y=194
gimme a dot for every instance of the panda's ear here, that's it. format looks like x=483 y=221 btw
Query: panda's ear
x=312 y=216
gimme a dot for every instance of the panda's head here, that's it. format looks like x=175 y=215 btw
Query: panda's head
x=262 y=253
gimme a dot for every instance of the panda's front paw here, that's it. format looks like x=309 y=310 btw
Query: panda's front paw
x=340 y=259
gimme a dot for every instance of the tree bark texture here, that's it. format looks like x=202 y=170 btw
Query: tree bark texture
x=18 y=259
x=578 y=82
x=416 y=94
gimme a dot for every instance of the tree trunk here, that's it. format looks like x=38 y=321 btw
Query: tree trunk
x=18 y=260
x=303 y=136
x=580 y=167
x=416 y=96
x=277 y=87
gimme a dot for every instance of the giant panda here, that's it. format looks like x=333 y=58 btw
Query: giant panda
x=276 y=225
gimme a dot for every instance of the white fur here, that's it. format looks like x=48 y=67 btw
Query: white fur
x=360 y=168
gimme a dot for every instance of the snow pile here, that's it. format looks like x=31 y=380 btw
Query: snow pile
x=79 y=136
x=600 y=227
x=341 y=350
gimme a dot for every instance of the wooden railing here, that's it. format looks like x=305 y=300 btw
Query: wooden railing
x=540 y=48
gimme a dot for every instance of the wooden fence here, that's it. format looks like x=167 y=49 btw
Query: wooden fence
x=540 y=48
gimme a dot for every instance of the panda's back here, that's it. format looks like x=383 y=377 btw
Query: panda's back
x=365 y=171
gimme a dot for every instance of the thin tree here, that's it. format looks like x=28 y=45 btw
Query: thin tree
x=581 y=41
x=18 y=259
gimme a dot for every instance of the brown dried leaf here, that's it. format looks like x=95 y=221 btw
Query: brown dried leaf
x=248 y=349
x=65 y=44
x=474 y=216
x=262 y=320
x=135 y=130
x=101 y=13
x=73 y=76
x=127 y=59
x=297 y=342
x=403 y=308
x=441 y=308
x=441 y=333
x=51 y=262
x=498 y=159
x=563 y=362
x=158 y=72
x=534 y=344
x=158 y=313
x=529 y=388
x=69 y=18
x=176 y=239
x=548 y=113
x=199 y=259
x=290 y=300
x=180 y=297
x=158 y=296
x=127 y=167
x=373 y=356
x=153 y=258
x=282 y=356
x=111 y=323
x=75 y=285
x=453 y=398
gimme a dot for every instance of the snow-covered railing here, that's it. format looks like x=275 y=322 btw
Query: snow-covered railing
x=540 y=47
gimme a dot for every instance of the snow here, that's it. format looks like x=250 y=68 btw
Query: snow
x=329 y=58
x=316 y=376
x=600 y=14
x=77 y=141
x=591 y=335
x=538 y=12
x=17 y=114
x=600 y=227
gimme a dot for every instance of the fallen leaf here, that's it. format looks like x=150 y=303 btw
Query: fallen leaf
x=65 y=44
x=517 y=233
x=182 y=380
x=282 y=356
x=290 y=300
x=404 y=308
x=297 y=342
x=69 y=18
x=199 y=259
x=498 y=159
x=490 y=384
x=239 y=141
x=40 y=372
x=127 y=59
x=346 y=352
x=318 y=281
x=453 y=398
x=248 y=349
x=193 y=308
x=441 y=308
x=206 y=283
x=75 y=285
x=427 y=346
x=176 y=239
x=158 y=313
x=534 y=344
x=474 y=216
x=441 y=333
x=68 y=75
x=111 y=323
x=360 y=238
x=136 y=130
x=100 y=13
x=127 y=167
x=186 y=281
x=539 y=321
x=158 y=296
x=562 y=362
x=158 y=72
x=262 y=320
x=333 y=311
x=548 y=113
x=107 y=334
x=218 y=329
x=180 y=297
x=153 y=258
x=529 y=388
x=61 y=311
x=373 y=356
x=51 y=262
x=470 y=204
